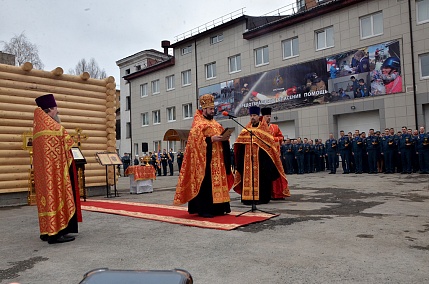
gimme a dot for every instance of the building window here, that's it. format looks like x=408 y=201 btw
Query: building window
x=157 y=146
x=216 y=39
x=171 y=145
x=143 y=90
x=261 y=56
x=186 y=78
x=155 y=87
x=422 y=11
x=234 y=63
x=187 y=111
x=300 y=5
x=127 y=71
x=325 y=38
x=187 y=50
x=169 y=81
x=290 y=48
x=156 y=117
x=128 y=130
x=171 y=114
x=138 y=67
x=424 y=65
x=145 y=119
x=371 y=25
x=211 y=70
x=136 y=150
x=127 y=103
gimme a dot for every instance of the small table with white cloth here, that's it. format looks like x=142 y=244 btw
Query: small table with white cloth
x=141 y=178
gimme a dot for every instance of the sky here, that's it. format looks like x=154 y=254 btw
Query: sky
x=108 y=30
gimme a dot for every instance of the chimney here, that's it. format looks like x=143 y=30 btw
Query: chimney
x=165 y=44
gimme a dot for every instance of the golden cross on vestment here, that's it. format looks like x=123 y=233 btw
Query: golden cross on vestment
x=78 y=136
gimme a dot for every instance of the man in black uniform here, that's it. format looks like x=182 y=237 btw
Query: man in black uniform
x=306 y=146
x=423 y=150
x=171 y=161
x=179 y=159
x=372 y=144
x=299 y=155
x=331 y=146
x=388 y=148
x=289 y=156
x=344 y=147
x=312 y=155
x=357 y=151
x=164 y=160
x=406 y=148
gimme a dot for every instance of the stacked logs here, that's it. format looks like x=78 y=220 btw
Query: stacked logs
x=83 y=102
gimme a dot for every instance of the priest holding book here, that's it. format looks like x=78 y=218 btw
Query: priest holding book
x=205 y=176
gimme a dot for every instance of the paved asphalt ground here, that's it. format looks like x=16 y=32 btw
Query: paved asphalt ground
x=333 y=229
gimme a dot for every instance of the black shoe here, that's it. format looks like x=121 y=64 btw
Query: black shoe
x=277 y=198
x=62 y=239
x=331 y=173
x=44 y=238
x=205 y=215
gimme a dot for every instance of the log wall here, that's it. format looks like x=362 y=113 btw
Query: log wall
x=83 y=102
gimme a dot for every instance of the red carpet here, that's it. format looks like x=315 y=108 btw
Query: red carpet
x=174 y=214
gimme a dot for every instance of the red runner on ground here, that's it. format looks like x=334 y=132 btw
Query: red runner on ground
x=174 y=214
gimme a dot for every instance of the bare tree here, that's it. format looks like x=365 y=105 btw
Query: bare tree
x=23 y=50
x=91 y=67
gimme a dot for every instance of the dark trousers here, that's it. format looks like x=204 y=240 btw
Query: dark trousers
x=372 y=161
x=406 y=160
x=179 y=164
x=300 y=162
x=312 y=156
x=170 y=165
x=358 y=162
x=332 y=162
x=164 y=168
x=307 y=162
x=424 y=161
x=320 y=163
x=388 y=162
x=415 y=162
x=345 y=161
x=289 y=164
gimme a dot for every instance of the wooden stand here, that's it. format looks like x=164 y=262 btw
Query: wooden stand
x=109 y=159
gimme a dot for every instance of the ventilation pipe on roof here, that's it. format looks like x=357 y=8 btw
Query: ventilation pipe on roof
x=165 y=44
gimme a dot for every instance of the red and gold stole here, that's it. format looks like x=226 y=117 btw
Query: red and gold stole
x=194 y=163
x=52 y=159
x=243 y=185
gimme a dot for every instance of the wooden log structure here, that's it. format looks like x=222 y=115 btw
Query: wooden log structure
x=83 y=102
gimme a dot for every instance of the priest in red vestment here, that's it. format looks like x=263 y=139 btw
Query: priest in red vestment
x=267 y=180
x=55 y=177
x=274 y=128
x=205 y=176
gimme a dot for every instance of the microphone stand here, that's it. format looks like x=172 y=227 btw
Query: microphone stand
x=253 y=208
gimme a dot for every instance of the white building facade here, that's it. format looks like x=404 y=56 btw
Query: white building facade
x=301 y=65
x=128 y=65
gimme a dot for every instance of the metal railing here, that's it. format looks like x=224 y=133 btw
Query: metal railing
x=216 y=22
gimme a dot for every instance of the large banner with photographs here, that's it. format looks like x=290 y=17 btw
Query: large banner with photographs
x=360 y=73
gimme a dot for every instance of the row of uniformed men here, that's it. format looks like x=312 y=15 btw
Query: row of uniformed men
x=404 y=152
